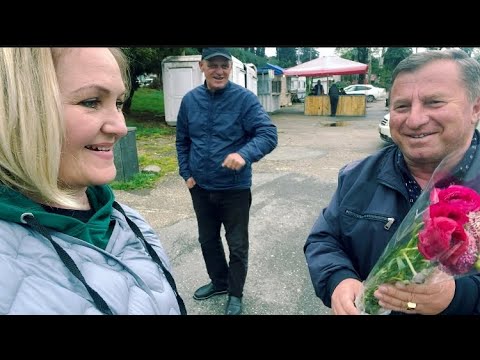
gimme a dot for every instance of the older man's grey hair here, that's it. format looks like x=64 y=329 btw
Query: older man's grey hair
x=469 y=67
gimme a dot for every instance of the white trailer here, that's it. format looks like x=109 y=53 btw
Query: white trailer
x=180 y=75
x=251 y=78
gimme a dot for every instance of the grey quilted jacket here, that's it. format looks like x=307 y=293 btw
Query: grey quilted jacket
x=33 y=279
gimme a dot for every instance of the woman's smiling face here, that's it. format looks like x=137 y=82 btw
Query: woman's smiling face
x=92 y=92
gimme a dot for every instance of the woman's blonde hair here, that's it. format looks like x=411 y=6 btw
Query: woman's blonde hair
x=32 y=130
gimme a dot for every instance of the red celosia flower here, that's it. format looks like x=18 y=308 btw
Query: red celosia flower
x=446 y=241
x=448 y=211
x=446 y=236
x=462 y=197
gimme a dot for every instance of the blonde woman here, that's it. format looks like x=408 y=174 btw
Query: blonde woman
x=66 y=245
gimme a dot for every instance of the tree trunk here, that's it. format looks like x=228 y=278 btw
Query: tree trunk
x=133 y=87
x=369 y=65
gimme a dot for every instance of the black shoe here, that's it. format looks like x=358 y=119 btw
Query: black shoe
x=207 y=291
x=234 y=306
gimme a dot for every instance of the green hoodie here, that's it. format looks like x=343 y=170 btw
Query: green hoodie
x=96 y=231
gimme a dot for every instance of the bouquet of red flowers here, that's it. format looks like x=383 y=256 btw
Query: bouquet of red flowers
x=440 y=233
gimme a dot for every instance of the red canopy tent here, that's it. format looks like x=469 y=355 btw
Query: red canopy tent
x=326 y=66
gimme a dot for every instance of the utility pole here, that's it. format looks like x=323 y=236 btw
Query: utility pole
x=380 y=62
x=369 y=63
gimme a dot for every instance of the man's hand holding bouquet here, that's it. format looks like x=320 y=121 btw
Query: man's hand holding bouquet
x=438 y=239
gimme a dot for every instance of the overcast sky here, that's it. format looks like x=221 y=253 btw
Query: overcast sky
x=324 y=51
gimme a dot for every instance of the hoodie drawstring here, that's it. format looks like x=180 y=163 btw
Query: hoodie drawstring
x=29 y=219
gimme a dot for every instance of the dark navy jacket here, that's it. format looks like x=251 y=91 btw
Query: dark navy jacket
x=212 y=125
x=352 y=232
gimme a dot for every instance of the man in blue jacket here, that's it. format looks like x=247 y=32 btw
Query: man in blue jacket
x=222 y=129
x=434 y=111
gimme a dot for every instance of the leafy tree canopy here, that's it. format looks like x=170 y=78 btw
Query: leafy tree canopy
x=307 y=53
x=394 y=55
x=287 y=57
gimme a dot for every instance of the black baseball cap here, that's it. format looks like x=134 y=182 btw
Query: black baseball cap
x=208 y=53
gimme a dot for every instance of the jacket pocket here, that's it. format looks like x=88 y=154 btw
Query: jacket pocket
x=387 y=221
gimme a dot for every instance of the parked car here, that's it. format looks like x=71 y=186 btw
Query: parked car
x=384 y=129
x=144 y=80
x=371 y=92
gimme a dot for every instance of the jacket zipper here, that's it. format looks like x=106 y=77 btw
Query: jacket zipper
x=387 y=220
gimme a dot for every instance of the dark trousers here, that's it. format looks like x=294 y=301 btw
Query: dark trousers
x=333 y=105
x=232 y=209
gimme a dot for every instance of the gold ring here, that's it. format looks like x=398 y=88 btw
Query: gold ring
x=411 y=305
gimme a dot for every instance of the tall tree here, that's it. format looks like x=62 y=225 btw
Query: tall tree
x=394 y=55
x=260 y=51
x=307 y=54
x=287 y=56
x=248 y=57
x=347 y=53
x=391 y=58
x=362 y=56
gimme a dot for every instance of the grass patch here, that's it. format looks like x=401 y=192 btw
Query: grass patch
x=148 y=100
x=163 y=156
x=139 y=181
x=149 y=126
x=155 y=140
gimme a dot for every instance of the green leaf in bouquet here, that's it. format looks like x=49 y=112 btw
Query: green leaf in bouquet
x=400 y=264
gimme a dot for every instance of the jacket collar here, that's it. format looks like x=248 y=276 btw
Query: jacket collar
x=388 y=173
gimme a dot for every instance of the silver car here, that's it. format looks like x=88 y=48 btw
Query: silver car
x=371 y=92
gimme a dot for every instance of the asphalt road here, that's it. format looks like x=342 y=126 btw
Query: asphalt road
x=290 y=187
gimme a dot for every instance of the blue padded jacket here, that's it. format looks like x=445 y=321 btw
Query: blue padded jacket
x=211 y=125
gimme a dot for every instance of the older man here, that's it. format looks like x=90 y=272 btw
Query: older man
x=222 y=129
x=434 y=108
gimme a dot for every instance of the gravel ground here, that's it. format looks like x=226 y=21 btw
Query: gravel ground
x=290 y=187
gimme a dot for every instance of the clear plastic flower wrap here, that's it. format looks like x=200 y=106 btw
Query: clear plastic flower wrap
x=438 y=238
